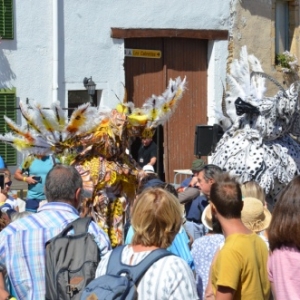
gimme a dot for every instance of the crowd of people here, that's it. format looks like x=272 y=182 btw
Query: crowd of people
x=226 y=243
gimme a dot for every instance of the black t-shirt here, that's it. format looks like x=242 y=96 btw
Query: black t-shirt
x=146 y=153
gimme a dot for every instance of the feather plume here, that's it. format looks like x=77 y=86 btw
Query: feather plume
x=59 y=120
x=138 y=117
x=19 y=143
x=46 y=122
x=264 y=75
x=240 y=70
x=224 y=102
x=168 y=101
x=18 y=130
x=84 y=119
x=29 y=117
x=174 y=92
x=59 y=115
x=78 y=118
x=258 y=87
x=152 y=108
x=235 y=88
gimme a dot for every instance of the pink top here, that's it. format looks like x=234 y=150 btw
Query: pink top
x=284 y=272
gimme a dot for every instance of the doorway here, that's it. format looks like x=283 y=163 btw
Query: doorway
x=147 y=76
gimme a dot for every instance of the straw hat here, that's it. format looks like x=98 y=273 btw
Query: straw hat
x=255 y=216
x=206 y=217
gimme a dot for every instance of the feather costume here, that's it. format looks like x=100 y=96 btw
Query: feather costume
x=95 y=140
x=258 y=145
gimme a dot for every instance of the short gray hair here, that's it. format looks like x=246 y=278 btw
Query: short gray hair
x=211 y=172
x=62 y=182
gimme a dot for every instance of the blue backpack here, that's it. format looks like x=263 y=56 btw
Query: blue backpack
x=113 y=285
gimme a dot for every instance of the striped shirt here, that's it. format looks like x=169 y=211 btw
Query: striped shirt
x=169 y=278
x=22 y=246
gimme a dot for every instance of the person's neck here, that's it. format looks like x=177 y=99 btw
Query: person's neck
x=141 y=248
x=232 y=226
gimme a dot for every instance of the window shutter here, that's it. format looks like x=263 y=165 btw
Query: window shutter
x=6 y=19
x=8 y=108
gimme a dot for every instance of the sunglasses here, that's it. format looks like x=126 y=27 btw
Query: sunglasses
x=8 y=183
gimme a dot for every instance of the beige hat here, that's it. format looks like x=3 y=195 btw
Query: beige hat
x=255 y=216
x=206 y=217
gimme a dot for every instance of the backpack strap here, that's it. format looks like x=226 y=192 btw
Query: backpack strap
x=80 y=226
x=136 y=272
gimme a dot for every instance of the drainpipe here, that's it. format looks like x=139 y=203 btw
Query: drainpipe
x=55 y=50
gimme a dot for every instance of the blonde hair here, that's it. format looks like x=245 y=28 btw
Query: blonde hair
x=254 y=190
x=156 y=218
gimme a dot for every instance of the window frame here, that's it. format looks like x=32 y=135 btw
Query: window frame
x=8 y=107
x=6 y=19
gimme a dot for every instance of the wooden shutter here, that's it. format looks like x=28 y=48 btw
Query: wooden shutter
x=8 y=108
x=6 y=19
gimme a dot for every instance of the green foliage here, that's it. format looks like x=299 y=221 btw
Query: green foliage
x=288 y=62
x=283 y=60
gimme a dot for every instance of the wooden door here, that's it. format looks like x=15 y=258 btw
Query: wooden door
x=144 y=77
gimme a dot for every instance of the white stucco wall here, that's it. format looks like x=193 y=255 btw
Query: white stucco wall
x=86 y=48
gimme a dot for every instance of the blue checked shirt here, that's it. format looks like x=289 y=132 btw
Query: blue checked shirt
x=22 y=246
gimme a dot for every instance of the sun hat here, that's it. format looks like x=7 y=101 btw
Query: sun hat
x=148 y=169
x=206 y=217
x=255 y=216
x=197 y=165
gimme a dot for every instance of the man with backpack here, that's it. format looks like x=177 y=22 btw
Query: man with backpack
x=23 y=242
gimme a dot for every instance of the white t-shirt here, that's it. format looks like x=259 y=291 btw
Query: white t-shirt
x=170 y=278
x=10 y=203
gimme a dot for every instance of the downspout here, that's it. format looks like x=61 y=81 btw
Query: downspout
x=55 y=50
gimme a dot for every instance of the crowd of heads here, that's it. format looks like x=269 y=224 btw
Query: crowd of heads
x=157 y=215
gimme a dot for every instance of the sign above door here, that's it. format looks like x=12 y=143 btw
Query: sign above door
x=143 y=53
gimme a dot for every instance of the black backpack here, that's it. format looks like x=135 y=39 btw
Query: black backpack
x=113 y=285
x=71 y=261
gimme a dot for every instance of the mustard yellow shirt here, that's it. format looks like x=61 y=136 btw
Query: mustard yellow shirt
x=242 y=265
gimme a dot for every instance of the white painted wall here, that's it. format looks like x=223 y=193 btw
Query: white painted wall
x=86 y=48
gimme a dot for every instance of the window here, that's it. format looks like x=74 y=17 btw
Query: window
x=76 y=98
x=282 y=26
x=6 y=19
x=7 y=108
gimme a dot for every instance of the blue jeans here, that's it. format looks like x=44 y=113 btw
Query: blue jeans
x=32 y=204
x=195 y=230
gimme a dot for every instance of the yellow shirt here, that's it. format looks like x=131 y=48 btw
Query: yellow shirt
x=242 y=265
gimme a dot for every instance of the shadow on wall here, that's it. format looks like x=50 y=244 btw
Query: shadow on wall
x=6 y=73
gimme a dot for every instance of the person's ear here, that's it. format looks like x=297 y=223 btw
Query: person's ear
x=213 y=208
x=242 y=205
x=77 y=197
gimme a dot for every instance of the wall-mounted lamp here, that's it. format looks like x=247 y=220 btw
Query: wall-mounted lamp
x=90 y=85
